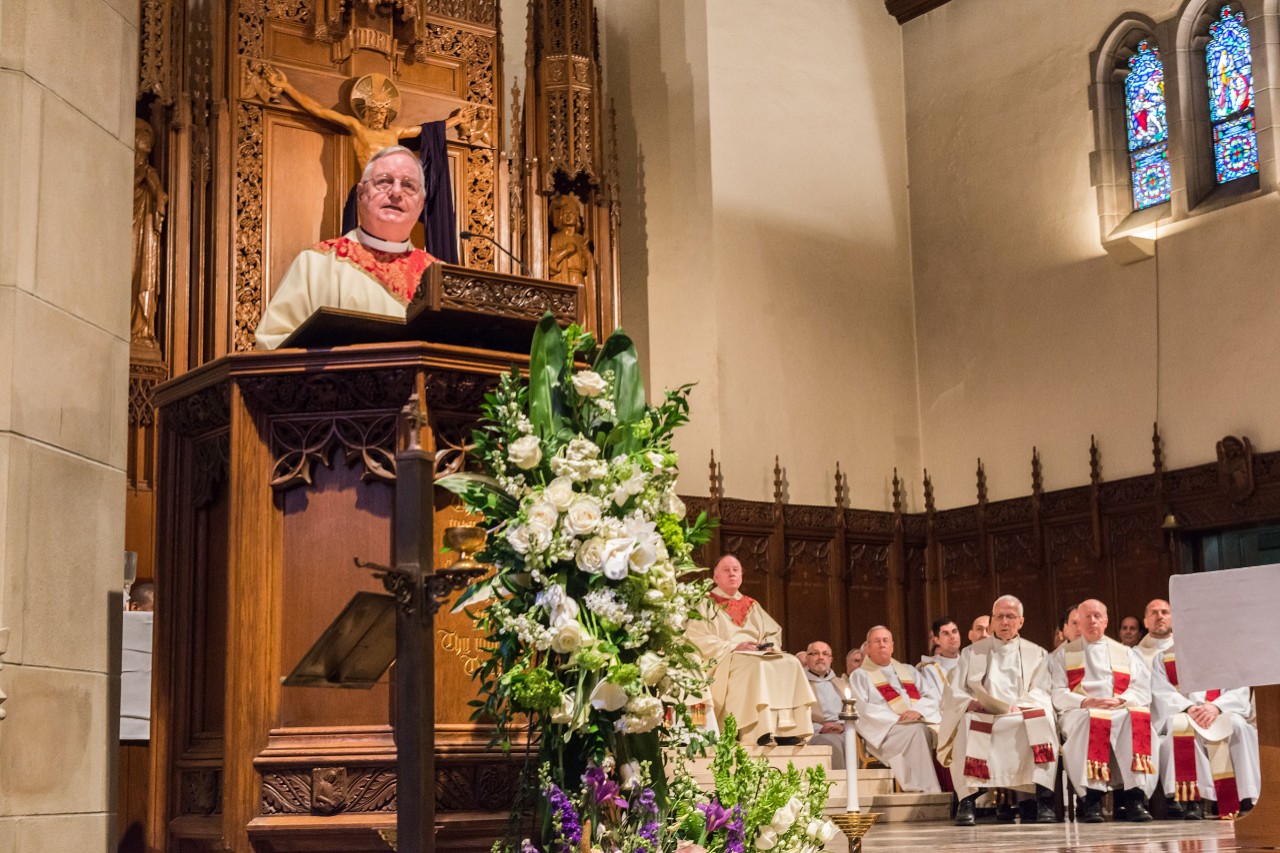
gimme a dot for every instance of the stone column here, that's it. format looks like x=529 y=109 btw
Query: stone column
x=67 y=84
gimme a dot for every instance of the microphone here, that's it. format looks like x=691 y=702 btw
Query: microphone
x=467 y=235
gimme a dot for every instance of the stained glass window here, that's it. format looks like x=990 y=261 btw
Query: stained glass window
x=1230 y=70
x=1148 y=127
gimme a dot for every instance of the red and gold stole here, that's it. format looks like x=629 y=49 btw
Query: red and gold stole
x=398 y=272
x=1099 y=751
x=736 y=608
x=1186 y=788
x=892 y=697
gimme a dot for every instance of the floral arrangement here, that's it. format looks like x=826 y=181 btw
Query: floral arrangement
x=593 y=579
x=585 y=613
x=754 y=806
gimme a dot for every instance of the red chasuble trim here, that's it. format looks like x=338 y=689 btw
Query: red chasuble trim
x=737 y=608
x=398 y=272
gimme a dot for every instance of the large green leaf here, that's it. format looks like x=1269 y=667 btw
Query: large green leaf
x=482 y=492
x=619 y=355
x=548 y=361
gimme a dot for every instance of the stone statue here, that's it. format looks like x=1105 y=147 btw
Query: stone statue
x=149 y=202
x=374 y=101
x=570 y=261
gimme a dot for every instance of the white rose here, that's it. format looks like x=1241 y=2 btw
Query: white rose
x=588 y=383
x=543 y=514
x=559 y=493
x=566 y=712
x=767 y=839
x=813 y=829
x=827 y=832
x=567 y=638
x=525 y=452
x=617 y=558
x=782 y=820
x=653 y=668
x=518 y=538
x=608 y=696
x=539 y=536
x=583 y=516
x=591 y=556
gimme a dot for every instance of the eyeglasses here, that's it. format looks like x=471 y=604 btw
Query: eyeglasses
x=384 y=184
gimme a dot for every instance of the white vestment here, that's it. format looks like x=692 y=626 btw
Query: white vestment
x=767 y=693
x=1073 y=720
x=1232 y=725
x=1005 y=677
x=829 y=690
x=939 y=669
x=906 y=747
x=1150 y=648
x=356 y=272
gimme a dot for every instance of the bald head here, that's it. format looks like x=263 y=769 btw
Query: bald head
x=728 y=574
x=1091 y=617
x=1158 y=618
x=819 y=658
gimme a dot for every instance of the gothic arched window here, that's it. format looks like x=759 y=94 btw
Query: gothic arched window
x=1230 y=76
x=1148 y=127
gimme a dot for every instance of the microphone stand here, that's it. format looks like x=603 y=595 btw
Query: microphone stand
x=467 y=235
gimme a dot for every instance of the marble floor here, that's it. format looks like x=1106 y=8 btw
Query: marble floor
x=1156 y=837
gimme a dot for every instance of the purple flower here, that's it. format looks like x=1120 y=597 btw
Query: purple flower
x=603 y=790
x=528 y=846
x=648 y=801
x=734 y=839
x=564 y=817
x=716 y=814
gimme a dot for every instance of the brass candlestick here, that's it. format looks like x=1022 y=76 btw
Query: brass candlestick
x=466 y=540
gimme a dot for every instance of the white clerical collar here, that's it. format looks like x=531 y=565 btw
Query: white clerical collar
x=830 y=676
x=1001 y=642
x=1152 y=641
x=369 y=241
x=720 y=592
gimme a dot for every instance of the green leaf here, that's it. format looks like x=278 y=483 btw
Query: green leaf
x=480 y=490
x=619 y=355
x=548 y=363
x=478 y=592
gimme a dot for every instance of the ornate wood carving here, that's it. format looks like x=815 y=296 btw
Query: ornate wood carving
x=156 y=56
x=751 y=551
x=144 y=376
x=200 y=413
x=210 y=458
x=335 y=391
x=300 y=444
x=200 y=792
x=527 y=301
x=810 y=554
x=1235 y=468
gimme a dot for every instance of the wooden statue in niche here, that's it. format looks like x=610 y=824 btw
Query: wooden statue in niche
x=149 y=202
x=570 y=259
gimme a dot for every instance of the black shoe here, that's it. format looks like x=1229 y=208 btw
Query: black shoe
x=1137 y=807
x=1027 y=811
x=1193 y=810
x=965 y=815
x=790 y=741
x=1005 y=813
x=1172 y=809
x=1246 y=805
x=1090 y=809
x=1044 y=812
x=765 y=740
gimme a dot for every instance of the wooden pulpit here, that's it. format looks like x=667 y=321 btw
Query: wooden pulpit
x=277 y=471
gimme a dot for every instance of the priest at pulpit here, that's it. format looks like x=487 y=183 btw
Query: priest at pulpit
x=373 y=269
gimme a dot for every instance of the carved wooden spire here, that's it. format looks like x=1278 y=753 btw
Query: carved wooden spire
x=1095 y=467
x=897 y=493
x=842 y=488
x=982 y=484
x=928 y=493
x=1095 y=503
x=1037 y=477
x=1157 y=449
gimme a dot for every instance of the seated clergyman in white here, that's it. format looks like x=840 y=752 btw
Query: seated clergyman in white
x=944 y=639
x=829 y=689
x=895 y=709
x=998 y=724
x=373 y=269
x=763 y=687
x=1208 y=749
x=1102 y=692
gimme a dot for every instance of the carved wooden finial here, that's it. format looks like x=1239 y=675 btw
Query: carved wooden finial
x=1037 y=478
x=777 y=480
x=982 y=483
x=928 y=493
x=715 y=485
x=1157 y=449
x=897 y=493
x=1095 y=466
x=842 y=488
